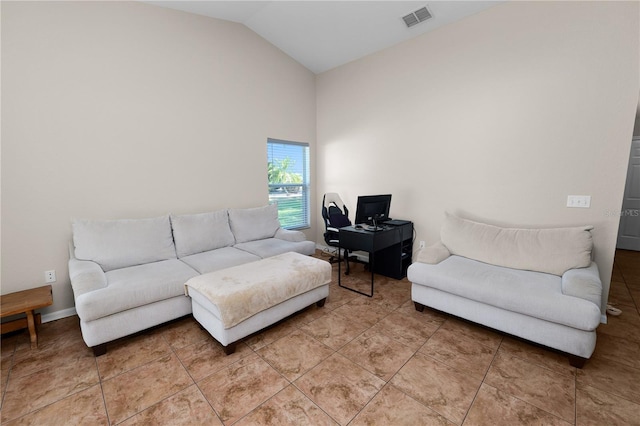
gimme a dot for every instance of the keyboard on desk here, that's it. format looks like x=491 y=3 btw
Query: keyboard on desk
x=374 y=228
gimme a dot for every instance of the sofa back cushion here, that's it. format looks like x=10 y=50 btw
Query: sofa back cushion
x=197 y=233
x=254 y=224
x=115 y=244
x=551 y=250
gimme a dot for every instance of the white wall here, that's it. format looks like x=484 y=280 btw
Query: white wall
x=497 y=118
x=123 y=109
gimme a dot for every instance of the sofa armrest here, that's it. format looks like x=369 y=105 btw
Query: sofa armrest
x=86 y=276
x=433 y=254
x=289 y=235
x=583 y=283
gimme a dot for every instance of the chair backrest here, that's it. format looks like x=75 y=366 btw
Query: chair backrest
x=334 y=212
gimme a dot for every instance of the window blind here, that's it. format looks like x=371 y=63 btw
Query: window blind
x=288 y=177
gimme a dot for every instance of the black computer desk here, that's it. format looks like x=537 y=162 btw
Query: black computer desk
x=390 y=249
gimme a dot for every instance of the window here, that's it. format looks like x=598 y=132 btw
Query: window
x=288 y=171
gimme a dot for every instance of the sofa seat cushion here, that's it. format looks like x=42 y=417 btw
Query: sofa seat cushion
x=116 y=244
x=129 y=288
x=197 y=233
x=221 y=258
x=273 y=246
x=530 y=293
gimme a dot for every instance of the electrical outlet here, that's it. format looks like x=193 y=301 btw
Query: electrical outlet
x=421 y=244
x=50 y=276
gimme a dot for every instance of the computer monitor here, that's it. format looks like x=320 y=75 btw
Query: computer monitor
x=372 y=207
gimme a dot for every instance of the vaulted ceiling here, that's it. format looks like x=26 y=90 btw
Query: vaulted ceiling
x=322 y=35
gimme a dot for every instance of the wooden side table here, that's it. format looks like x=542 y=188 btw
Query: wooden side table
x=25 y=302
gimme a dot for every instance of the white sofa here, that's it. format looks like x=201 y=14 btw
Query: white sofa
x=129 y=275
x=537 y=284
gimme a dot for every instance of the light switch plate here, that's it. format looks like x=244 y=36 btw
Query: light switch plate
x=580 y=201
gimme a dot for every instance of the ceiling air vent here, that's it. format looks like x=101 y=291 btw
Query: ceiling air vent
x=416 y=17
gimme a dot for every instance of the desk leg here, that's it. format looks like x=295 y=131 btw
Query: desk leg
x=372 y=258
x=353 y=289
x=339 y=264
x=32 y=330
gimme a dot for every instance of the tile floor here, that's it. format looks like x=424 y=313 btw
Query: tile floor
x=355 y=361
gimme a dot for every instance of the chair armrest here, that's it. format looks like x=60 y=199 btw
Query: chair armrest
x=583 y=283
x=289 y=235
x=86 y=276
x=433 y=254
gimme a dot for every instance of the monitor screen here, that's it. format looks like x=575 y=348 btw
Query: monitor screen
x=372 y=207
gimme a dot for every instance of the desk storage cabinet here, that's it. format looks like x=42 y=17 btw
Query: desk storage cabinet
x=394 y=260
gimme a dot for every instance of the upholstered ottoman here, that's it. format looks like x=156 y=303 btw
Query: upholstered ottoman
x=235 y=302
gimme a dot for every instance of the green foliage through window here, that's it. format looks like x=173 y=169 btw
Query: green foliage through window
x=288 y=177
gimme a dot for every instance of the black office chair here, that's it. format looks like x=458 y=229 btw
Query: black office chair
x=336 y=215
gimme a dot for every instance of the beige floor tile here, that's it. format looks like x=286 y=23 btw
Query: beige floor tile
x=183 y=333
x=310 y=313
x=538 y=355
x=407 y=330
x=340 y=387
x=633 y=283
x=188 y=407
x=363 y=310
x=393 y=407
x=28 y=361
x=428 y=315
x=85 y=407
x=630 y=269
x=459 y=352
x=627 y=325
x=444 y=389
x=131 y=352
x=142 y=387
x=53 y=334
x=8 y=345
x=472 y=331
x=612 y=377
x=288 y=407
x=543 y=388
x=28 y=393
x=295 y=354
x=241 y=387
x=617 y=349
x=635 y=294
x=334 y=330
x=338 y=296
x=493 y=407
x=207 y=357
x=619 y=295
x=377 y=353
x=4 y=378
x=271 y=334
x=597 y=408
x=354 y=284
x=390 y=293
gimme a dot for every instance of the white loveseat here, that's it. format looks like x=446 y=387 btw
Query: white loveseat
x=537 y=284
x=129 y=275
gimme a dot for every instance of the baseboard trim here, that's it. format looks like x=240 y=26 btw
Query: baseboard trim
x=52 y=316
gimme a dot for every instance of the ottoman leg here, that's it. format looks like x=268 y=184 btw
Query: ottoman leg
x=230 y=348
x=419 y=306
x=320 y=303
